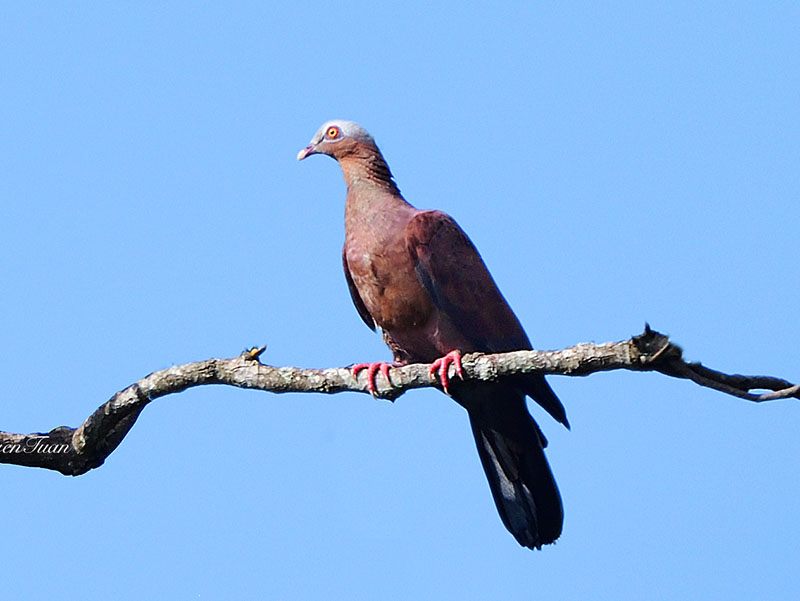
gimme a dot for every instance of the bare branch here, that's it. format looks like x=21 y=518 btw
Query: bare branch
x=75 y=451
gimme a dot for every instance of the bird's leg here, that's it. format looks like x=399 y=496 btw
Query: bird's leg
x=372 y=369
x=442 y=365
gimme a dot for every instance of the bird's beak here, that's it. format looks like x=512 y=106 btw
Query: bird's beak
x=310 y=149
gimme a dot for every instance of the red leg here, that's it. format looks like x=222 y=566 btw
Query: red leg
x=372 y=369
x=442 y=365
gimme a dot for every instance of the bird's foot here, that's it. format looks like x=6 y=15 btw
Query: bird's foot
x=372 y=369
x=442 y=365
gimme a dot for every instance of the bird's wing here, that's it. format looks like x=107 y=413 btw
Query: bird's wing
x=451 y=270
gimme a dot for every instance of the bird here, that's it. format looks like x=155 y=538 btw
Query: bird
x=417 y=277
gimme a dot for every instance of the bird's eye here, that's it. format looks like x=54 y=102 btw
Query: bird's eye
x=333 y=132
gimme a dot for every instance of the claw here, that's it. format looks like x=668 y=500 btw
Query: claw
x=372 y=369
x=442 y=365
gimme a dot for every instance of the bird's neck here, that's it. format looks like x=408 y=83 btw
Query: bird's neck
x=368 y=172
x=374 y=203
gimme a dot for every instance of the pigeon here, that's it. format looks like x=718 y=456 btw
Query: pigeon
x=418 y=278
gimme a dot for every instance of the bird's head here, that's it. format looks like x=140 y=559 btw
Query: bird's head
x=339 y=139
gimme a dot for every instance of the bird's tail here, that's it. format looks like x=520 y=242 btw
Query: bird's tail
x=511 y=448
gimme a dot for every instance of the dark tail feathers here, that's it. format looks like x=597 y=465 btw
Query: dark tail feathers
x=522 y=484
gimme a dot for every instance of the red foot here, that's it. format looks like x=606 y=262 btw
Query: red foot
x=372 y=368
x=442 y=365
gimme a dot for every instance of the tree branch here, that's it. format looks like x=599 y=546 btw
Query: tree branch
x=75 y=451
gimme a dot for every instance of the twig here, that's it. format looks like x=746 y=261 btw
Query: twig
x=75 y=451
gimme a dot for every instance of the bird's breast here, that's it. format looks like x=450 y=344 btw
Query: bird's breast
x=386 y=280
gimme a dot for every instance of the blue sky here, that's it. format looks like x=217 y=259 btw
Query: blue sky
x=618 y=164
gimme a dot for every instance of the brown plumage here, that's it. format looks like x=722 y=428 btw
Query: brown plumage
x=417 y=276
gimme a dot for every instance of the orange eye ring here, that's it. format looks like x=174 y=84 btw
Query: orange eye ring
x=333 y=132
